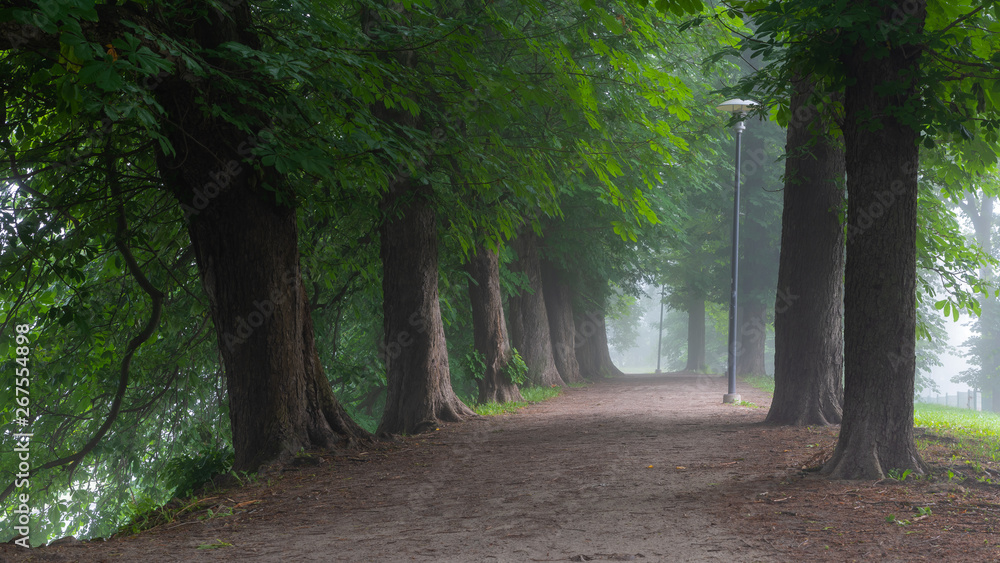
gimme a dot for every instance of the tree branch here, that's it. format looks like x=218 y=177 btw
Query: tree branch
x=156 y=296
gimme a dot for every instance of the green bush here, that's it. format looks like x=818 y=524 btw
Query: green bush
x=184 y=474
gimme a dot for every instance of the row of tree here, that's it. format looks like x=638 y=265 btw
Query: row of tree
x=253 y=225
x=289 y=218
x=890 y=96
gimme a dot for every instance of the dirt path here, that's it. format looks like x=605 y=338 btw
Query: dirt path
x=568 y=479
x=642 y=468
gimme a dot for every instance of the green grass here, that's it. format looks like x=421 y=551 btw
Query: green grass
x=976 y=433
x=957 y=423
x=762 y=382
x=530 y=395
x=493 y=408
x=539 y=394
x=973 y=436
x=970 y=423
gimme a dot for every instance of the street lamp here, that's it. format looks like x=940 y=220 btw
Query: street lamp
x=738 y=108
x=659 y=342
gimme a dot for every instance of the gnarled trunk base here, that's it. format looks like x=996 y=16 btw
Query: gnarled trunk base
x=419 y=395
x=559 y=307
x=490 y=328
x=529 y=323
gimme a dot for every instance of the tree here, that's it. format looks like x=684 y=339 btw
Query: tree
x=696 y=335
x=694 y=270
x=529 y=323
x=559 y=309
x=419 y=395
x=759 y=243
x=245 y=242
x=592 y=351
x=808 y=331
x=490 y=328
x=242 y=229
x=882 y=161
x=983 y=345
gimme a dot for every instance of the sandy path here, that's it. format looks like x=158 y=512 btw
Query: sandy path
x=565 y=480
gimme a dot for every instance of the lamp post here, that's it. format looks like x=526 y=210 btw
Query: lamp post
x=659 y=343
x=738 y=108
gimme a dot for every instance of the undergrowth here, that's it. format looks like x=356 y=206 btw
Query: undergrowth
x=530 y=395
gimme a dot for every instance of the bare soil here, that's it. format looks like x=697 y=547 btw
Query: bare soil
x=640 y=468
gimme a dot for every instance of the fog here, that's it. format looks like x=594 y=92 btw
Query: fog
x=952 y=363
x=633 y=343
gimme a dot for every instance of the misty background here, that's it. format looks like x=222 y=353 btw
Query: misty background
x=634 y=324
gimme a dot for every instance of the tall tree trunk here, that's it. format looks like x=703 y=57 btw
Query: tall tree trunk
x=880 y=275
x=246 y=247
x=592 y=350
x=587 y=355
x=696 y=336
x=750 y=350
x=981 y=215
x=529 y=323
x=559 y=307
x=988 y=318
x=490 y=328
x=808 y=309
x=419 y=395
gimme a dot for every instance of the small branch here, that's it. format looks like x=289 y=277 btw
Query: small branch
x=73 y=460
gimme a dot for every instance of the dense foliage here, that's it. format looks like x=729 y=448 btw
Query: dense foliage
x=591 y=123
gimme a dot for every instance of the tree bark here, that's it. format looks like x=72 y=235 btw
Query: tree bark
x=750 y=350
x=490 y=328
x=808 y=309
x=419 y=396
x=246 y=247
x=882 y=161
x=529 y=323
x=696 y=336
x=559 y=309
x=592 y=350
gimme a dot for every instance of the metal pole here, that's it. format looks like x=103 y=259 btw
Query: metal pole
x=659 y=342
x=732 y=396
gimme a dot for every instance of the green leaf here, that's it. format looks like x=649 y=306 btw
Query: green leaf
x=102 y=74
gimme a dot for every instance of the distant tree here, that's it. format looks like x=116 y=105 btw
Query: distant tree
x=490 y=328
x=984 y=345
x=760 y=240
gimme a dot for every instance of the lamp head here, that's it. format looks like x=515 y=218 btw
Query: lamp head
x=737 y=106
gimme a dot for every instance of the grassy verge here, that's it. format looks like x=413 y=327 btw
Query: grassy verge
x=971 y=434
x=961 y=436
x=530 y=395
x=762 y=382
